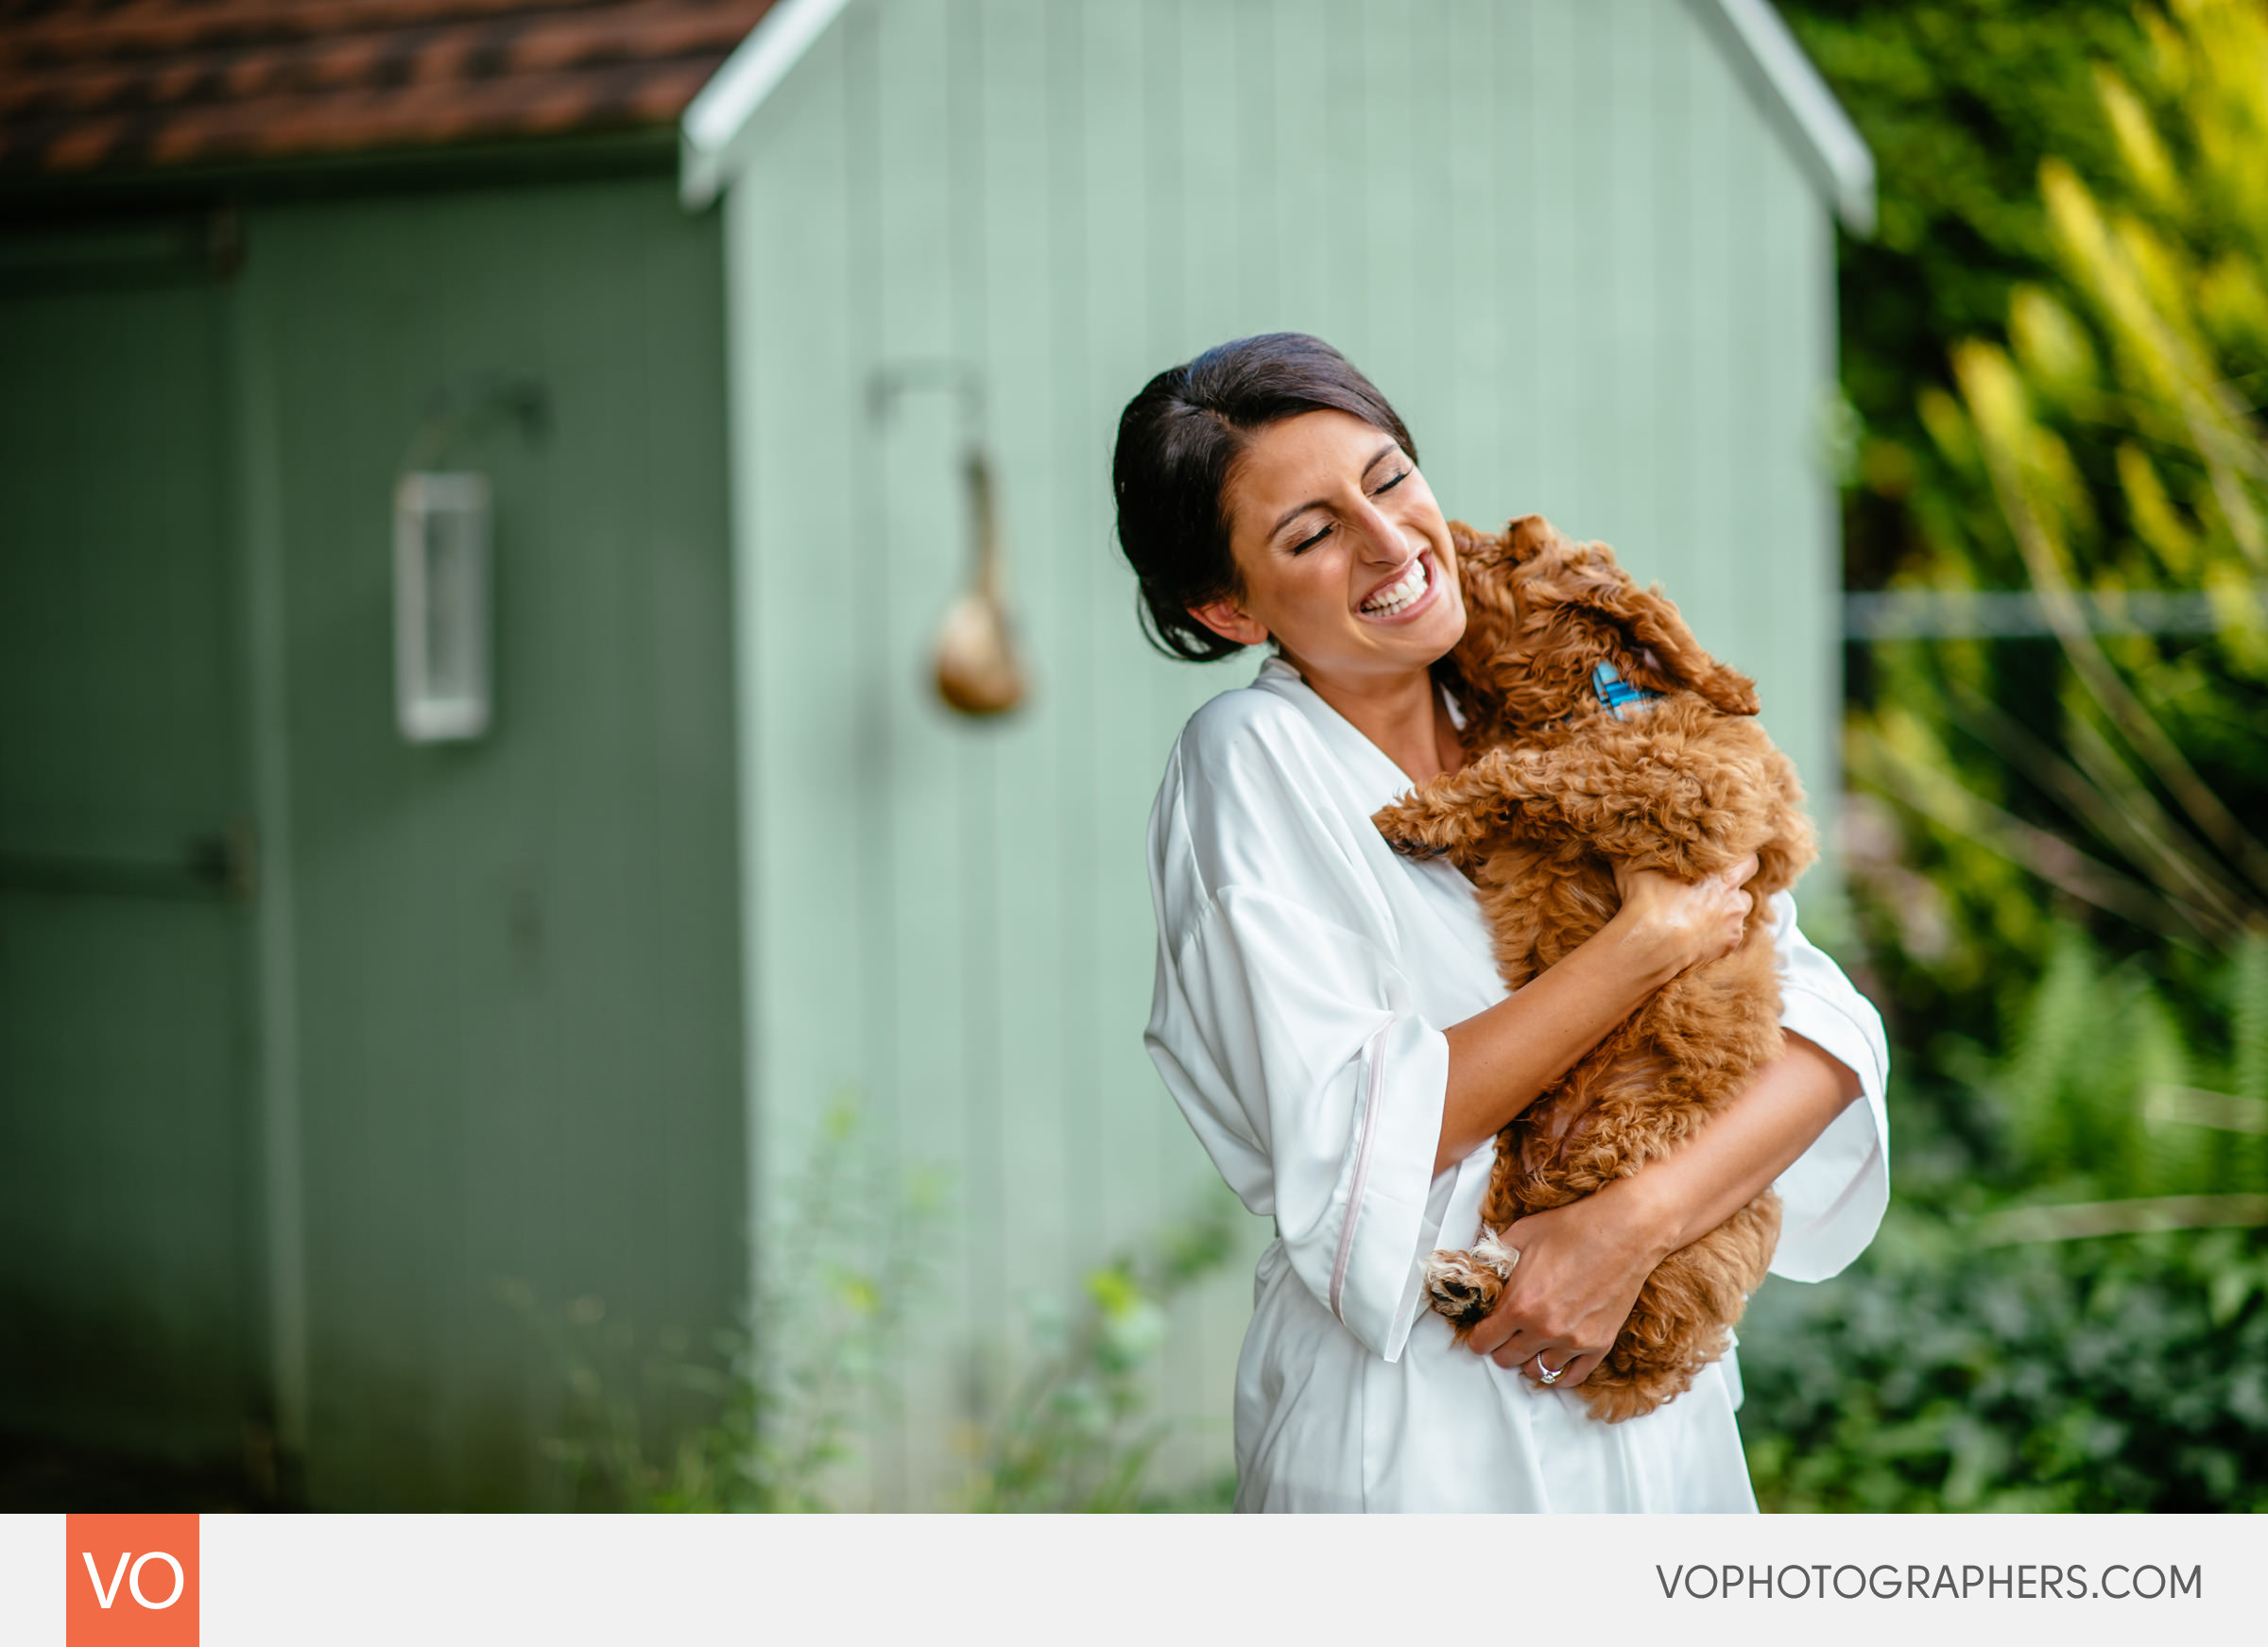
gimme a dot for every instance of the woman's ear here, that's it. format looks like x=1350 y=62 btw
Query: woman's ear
x=1224 y=618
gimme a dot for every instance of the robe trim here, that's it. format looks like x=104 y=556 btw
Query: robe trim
x=1376 y=1052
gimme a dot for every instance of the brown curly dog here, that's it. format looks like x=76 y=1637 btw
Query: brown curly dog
x=1657 y=763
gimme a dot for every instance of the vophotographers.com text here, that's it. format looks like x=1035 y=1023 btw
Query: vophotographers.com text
x=2025 y=1582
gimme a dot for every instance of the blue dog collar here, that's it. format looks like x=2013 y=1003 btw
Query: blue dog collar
x=1618 y=695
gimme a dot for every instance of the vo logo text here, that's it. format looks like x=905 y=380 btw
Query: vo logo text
x=131 y=1581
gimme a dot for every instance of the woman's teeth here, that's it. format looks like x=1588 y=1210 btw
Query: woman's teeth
x=1386 y=602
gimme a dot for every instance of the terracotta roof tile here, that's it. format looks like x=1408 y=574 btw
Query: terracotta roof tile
x=119 y=83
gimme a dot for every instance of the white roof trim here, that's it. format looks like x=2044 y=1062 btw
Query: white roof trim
x=713 y=137
x=1796 y=99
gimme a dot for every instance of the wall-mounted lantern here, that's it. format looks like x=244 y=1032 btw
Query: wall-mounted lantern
x=442 y=568
x=444 y=557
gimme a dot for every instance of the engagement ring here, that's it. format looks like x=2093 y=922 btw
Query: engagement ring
x=1547 y=1375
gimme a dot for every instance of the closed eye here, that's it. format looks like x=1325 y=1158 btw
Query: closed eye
x=1324 y=531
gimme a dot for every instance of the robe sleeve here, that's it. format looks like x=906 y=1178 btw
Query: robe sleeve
x=1295 y=1050
x=1282 y=1024
x=1833 y=1195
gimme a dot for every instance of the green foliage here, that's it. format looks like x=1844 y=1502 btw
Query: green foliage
x=2103 y=442
x=2123 y=1374
x=1960 y=101
x=2013 y=799
x=2104 y=1098
x=839 y=1271
x=2064 y=899
x=1955 y=1369
x=1077 y=1435
x=761 y=1423
x=764 y=1422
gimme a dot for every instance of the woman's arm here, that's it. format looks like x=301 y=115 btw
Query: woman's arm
x=1580 y=1265
x=1500 y=1059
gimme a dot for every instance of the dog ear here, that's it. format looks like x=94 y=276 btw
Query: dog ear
x=1476 y=548
x=1491 y=619
x=1527 y=536
x=1668 y=659
x=1729 y=690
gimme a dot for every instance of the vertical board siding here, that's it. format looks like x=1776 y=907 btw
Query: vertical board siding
x=517 y=979
x=1560 y=237
x=130 y=1297
x=811 y=781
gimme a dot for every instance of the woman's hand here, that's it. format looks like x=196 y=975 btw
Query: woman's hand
x=1667 y=925
x=1500 y=1057
x=1579 y=1271
x=1580 y=1265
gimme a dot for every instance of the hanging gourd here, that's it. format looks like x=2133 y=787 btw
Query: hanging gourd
x=977 y=670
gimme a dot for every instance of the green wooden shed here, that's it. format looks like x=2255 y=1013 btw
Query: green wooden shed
x=309 y=1030
x=1587 y=247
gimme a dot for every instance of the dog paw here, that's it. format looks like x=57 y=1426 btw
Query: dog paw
x=1464 y=1286
x=1490 y=1250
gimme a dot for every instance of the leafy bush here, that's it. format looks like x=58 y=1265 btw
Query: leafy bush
x=1077 y=1435
x=2106 y=1099
x=2054 y=864
x=2126 y=1373
x=1960 y=1366
x=763 y=1423
x=2101 y=451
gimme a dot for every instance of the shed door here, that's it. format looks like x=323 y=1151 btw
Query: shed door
x=127 y=1260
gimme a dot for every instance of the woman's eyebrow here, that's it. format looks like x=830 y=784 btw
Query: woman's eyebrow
x=1293 y=513
x=1296 y=511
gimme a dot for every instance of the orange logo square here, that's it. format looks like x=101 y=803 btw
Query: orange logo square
x=131 y=1581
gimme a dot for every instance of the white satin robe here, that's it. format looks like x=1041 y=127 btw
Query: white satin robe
x=1305 y=975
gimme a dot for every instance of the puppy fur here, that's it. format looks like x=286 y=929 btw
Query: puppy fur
x=1554 y=791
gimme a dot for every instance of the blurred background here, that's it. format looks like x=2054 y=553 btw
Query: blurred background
x=574 y=744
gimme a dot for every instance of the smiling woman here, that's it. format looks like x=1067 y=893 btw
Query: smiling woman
x=1357 y=584
x=1329 y=1014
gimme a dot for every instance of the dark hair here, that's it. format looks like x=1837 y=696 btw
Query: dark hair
x=1178 y=442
